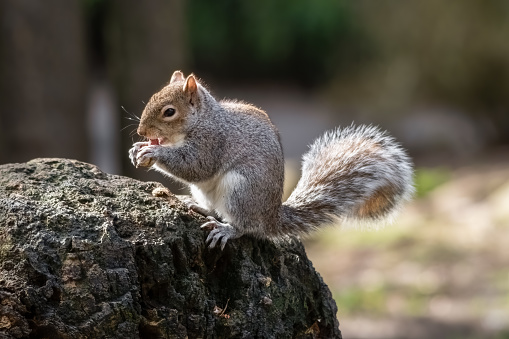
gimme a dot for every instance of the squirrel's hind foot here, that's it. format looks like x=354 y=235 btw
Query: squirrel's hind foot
x=219 y=232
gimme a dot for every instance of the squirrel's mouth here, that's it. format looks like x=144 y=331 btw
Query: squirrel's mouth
x=173 y=141
x=158 y=141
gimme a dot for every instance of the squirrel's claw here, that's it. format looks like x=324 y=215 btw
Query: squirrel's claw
x=219 y=231
x=210 y=225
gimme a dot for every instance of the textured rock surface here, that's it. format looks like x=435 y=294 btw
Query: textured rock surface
x=84 y=254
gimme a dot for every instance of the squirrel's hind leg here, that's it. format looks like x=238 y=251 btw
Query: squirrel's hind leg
x=219 y=232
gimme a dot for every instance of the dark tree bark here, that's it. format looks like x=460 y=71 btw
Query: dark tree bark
x=84 y=254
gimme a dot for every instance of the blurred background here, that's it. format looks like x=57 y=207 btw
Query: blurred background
x=434 y=73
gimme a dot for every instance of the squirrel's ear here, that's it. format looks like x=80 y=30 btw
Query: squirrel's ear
x=177 y=76
x=191 y=89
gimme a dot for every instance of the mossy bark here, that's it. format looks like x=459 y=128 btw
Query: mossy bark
x=85 y=254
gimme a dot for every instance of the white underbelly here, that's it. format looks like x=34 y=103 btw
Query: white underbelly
x=215 y=194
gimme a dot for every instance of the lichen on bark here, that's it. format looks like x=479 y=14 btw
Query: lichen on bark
x=85 y=254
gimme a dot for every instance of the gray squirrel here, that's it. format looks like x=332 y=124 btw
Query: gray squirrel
x=229 y=154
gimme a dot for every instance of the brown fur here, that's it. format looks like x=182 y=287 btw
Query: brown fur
x=153 y=125
x=378 y=204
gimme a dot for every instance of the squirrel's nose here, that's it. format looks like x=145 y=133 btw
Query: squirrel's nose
x=141 y=131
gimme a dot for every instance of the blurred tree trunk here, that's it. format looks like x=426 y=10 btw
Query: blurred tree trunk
x=43 y=80
x=145 y=43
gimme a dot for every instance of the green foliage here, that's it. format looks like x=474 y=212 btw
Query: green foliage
x=427 y=179
x=287 y=38
x=502 y=335
x=358 y=300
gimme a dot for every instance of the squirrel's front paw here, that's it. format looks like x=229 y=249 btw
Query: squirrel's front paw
x=219 y=231
x=147 y=156
x=133 y=152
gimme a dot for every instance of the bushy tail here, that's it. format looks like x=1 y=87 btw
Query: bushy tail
x=357 y=173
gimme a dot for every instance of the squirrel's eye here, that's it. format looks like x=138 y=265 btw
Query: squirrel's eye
x=168 y=112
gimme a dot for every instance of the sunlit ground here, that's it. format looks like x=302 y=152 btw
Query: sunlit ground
x=440 y=271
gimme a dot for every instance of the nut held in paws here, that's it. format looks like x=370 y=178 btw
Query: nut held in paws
x=145 y=162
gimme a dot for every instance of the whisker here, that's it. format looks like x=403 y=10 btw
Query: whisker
x=131 y=114
x=130 y=125
x=132 y=132
x=143 y=102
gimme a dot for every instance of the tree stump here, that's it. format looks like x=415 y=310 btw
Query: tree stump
x=85 y=254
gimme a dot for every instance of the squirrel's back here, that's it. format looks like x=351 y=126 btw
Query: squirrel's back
x=243 y=108
x=253 y=137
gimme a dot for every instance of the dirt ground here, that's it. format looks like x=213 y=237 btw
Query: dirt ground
x=440 y=271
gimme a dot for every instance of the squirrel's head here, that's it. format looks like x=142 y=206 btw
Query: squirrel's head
x=168 y=113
